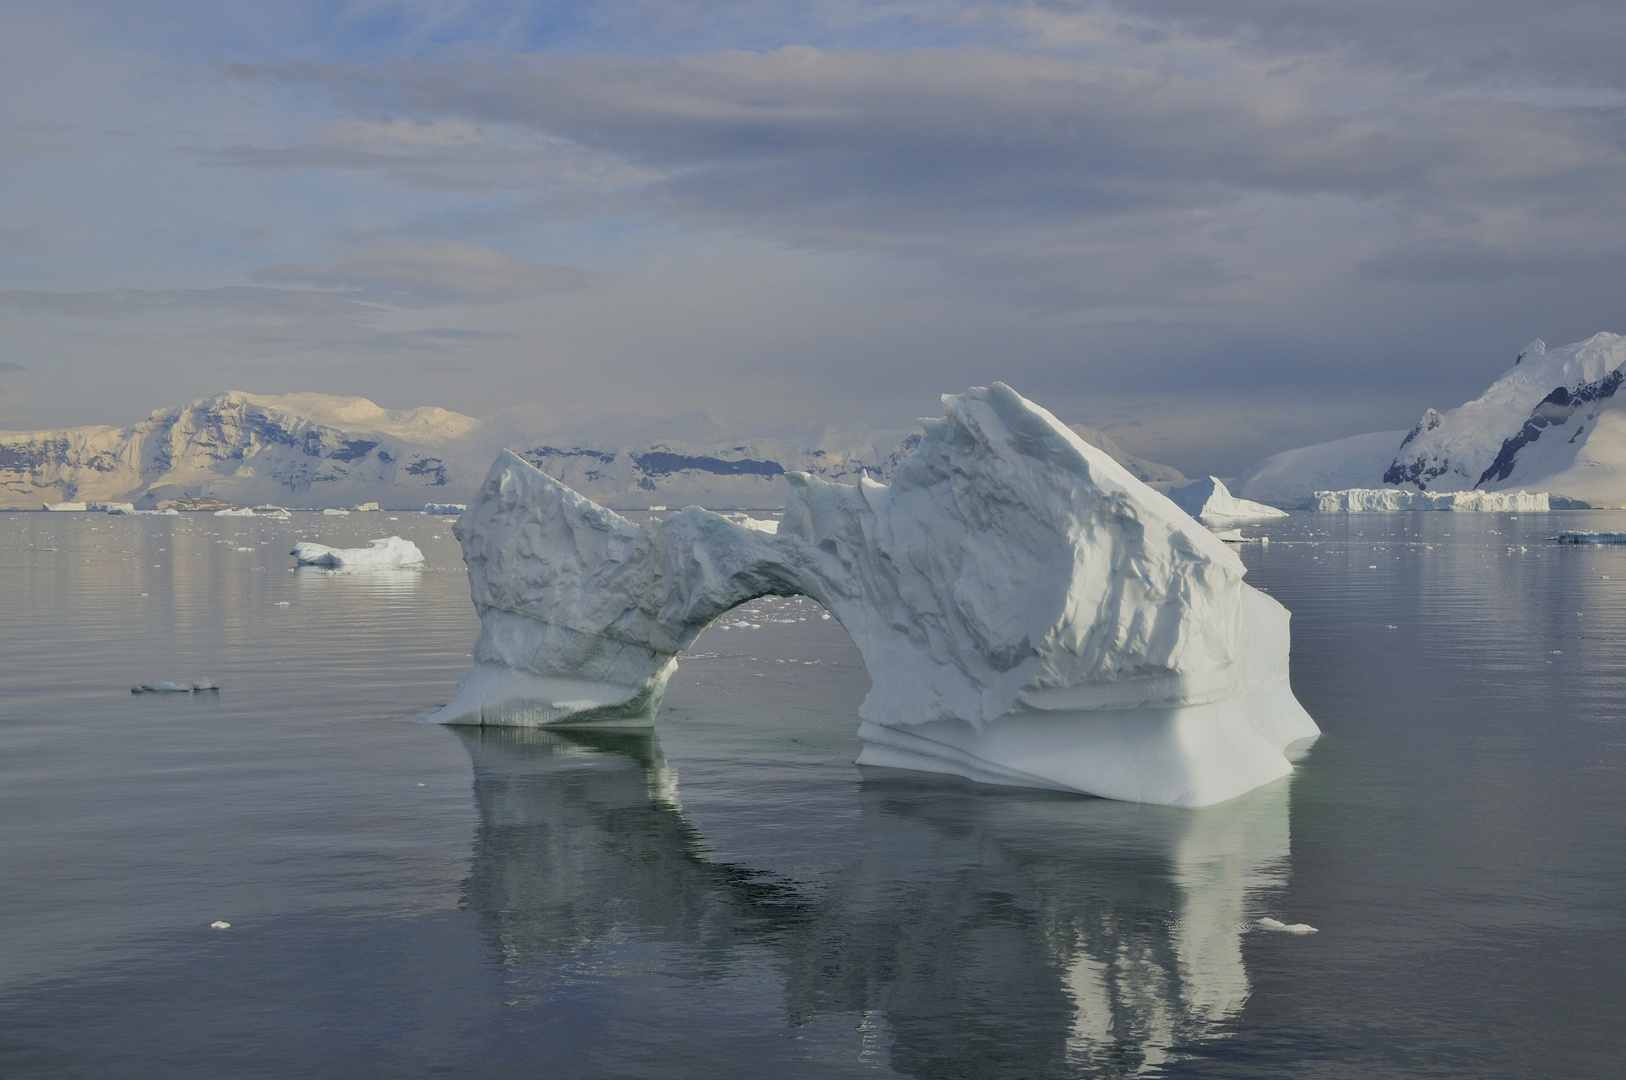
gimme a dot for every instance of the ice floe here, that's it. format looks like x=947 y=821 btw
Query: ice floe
x=385 y=551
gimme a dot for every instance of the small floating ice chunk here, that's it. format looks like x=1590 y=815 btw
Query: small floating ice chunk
x=162 y=688
x=1286 y=928
x=366 y=508
x=334 y=512
x=385 y=551
x=444 y=508
x=235 y=511
x=218 y=925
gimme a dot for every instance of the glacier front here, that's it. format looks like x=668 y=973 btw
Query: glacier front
x=1030 y=613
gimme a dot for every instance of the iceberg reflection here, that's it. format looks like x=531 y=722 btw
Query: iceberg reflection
x=970 y=932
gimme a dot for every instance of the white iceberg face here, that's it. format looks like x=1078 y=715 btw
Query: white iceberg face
x=1382 y=500
x=385 y=551
x=1210 y=502
x=1030 y=613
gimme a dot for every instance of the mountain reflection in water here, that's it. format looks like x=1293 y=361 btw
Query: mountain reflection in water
x=975 y=932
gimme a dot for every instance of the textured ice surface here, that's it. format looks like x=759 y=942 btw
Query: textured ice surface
x=1210 y=502
x=385 y=551
x=1030 y=613
x=1377 y=500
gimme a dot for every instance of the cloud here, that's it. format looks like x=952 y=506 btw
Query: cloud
x=426 y=274
x=1155 y=171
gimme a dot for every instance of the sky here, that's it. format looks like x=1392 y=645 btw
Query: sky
x=1214 y=229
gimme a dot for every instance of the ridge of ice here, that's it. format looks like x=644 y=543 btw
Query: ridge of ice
x=1030 y=613
x=1210 y=502
x=385 y=551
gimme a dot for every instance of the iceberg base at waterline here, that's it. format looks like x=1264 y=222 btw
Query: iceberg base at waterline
x=1030 y=613
x=385 y=551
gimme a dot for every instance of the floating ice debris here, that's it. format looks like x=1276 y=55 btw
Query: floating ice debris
x=197 y=687
x=385 y=551
x=366 y=508
x=1286 y=928
x=1592 y=538
x=64 y=507
x=235 y=511
x=217 y=925
x=334 y=512
x=444 y=508
x=113 y=507
x=1030 y=613
x=279 y=603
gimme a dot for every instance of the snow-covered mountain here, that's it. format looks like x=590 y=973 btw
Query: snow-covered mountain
x=1550 y=423
x=319 y=451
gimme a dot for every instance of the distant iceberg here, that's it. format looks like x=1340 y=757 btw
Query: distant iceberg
x=449 y=509
x=1381 y=500
x=65 y=507
x=1210 y=502
x=1030 y=613
x=1592 y=538
x=385 y=551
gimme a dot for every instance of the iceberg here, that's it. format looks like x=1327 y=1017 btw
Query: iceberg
x=1382 y=500
x=385 y=551
x=447 y=509
x=1210 y=502
x=1592 y=538
x=64 y=507
x=1030 y=613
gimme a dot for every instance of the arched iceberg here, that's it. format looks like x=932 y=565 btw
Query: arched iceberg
x=1029 y=612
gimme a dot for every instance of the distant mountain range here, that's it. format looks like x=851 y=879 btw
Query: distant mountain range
x=319 y=451
x=1550 y=423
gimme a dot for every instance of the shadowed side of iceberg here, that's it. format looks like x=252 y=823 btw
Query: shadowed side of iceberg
x=1029 y=612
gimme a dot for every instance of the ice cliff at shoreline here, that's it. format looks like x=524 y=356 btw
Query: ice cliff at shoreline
x=1551 y=423
x=320 y=452
x=1030 y=613
x=1382 y=500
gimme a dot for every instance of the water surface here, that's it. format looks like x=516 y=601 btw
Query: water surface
x=730 y=892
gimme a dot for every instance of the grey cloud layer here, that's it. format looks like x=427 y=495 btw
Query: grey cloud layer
x=958 y=153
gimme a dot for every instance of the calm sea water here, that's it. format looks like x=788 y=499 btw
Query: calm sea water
x=731 y=896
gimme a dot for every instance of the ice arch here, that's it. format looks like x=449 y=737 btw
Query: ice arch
x=1030 y=613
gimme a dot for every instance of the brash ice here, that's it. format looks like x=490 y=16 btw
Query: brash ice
x=1029 y=612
